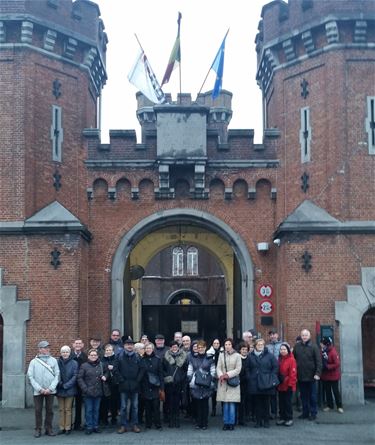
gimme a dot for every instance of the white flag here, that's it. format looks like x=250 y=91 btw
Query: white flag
x=142 y=77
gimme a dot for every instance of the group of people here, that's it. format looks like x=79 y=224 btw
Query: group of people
x=131 y=380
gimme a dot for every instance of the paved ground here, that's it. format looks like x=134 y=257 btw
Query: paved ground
x=355 y=427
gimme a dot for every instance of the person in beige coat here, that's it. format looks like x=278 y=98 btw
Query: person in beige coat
x=228 y=369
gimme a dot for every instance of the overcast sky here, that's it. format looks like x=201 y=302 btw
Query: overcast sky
x=203 y=26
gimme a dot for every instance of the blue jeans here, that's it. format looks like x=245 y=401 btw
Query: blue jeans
x=309 y=398
x=126 y=398
x=92 y=405
x=229 y=413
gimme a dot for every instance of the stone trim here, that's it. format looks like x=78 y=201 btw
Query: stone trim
x=15 y=313
x=178 y=216
x=349 y=314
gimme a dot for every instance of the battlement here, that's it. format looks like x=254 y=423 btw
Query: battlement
x=183 y=131
x=290 y=32
x=67 y=30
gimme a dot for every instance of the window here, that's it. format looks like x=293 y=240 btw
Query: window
x=177 y=262
x=305 y=135
x=57 y=133
x=192 y=261
x=370 y=124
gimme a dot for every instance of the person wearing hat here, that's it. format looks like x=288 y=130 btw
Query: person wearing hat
x=160 y=348
x=288 y=383
x=128 y=373
x=331 y=374
x=95 y=342
x=44 y=375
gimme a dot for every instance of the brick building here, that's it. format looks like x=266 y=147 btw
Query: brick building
x=195 y=226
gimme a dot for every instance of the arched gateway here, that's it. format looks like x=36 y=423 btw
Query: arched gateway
x=191 y=217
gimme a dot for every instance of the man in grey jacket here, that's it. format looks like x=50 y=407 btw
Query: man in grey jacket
x=44 y=376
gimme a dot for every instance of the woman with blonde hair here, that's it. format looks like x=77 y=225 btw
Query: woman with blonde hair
x=66 y=389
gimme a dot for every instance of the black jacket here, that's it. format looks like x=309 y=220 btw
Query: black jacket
x=128 y=372
x=262 y=373
x=175 y=368
x=67 y=386
x=309 y=361
x=151 y=365
x=89 y=378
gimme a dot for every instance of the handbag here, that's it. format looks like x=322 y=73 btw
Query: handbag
x=153 y=379
x=203 y=378
x=267 y=381
x=232 y=381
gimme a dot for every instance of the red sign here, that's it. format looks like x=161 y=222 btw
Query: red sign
x=265 y=291
x=266 y=307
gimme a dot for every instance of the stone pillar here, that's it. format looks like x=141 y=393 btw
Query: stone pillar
x=14 y=313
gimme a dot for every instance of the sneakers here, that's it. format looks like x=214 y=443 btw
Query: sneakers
x=288 y=423
x=340 y=410
x=326 y=409
x=37 y=433
x=280 y=422
x=136 y=429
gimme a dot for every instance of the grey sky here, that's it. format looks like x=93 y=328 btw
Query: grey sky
x=203 y=26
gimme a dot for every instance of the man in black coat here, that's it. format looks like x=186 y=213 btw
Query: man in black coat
x=128 y=373
x=309 y=369
x=80 y=356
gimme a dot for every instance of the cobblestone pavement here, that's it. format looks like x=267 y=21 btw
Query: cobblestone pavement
x=355 y=427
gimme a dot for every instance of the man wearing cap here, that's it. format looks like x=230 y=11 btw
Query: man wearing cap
x=128 y=373
x=160 y=348
x=44 y=375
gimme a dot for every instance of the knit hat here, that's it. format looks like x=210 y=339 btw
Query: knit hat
x=43 y=344
x=286 y=345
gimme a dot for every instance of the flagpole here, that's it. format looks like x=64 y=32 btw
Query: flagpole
x=179 y=37
x=139 y=43
x=199 y=92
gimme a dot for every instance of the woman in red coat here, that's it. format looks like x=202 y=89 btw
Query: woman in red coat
x=331 y=374
x=288 y=378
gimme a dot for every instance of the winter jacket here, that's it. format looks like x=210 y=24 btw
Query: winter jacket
x=89 y=378
x=309 y=361
x=67 y=387
x=331 y=364
x=262 y=373
x=128 y=372
x=160 y=352
x=206 y=363
x=43 y=377
x=226 y=393
x=274 y=348
x=152 y=365
x=80 y=359
x=117 y=345
x=175 y=368
x=288 y=372
x=110 y=360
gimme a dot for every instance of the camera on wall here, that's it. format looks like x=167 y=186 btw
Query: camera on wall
x=277 y=241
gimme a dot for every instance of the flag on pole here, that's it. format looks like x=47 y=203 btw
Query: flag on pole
x=218 y=67
x=175 y=57
x=142 y=77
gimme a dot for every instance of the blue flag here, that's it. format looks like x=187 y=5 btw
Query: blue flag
x=218 y=67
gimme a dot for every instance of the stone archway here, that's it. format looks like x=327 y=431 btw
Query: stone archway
x=181 y=216
x=349 y=314
x=15 y=313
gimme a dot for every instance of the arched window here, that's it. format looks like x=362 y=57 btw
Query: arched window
x=192 y=261
x=177 y=262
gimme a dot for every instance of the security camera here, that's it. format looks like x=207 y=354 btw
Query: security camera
x=277 y=241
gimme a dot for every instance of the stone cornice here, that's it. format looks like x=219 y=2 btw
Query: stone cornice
x=329 y=228
x=25 y=228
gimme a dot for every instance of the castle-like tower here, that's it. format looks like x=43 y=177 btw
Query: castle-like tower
x=316 y=70
x=52 y=70
x=96 y=236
